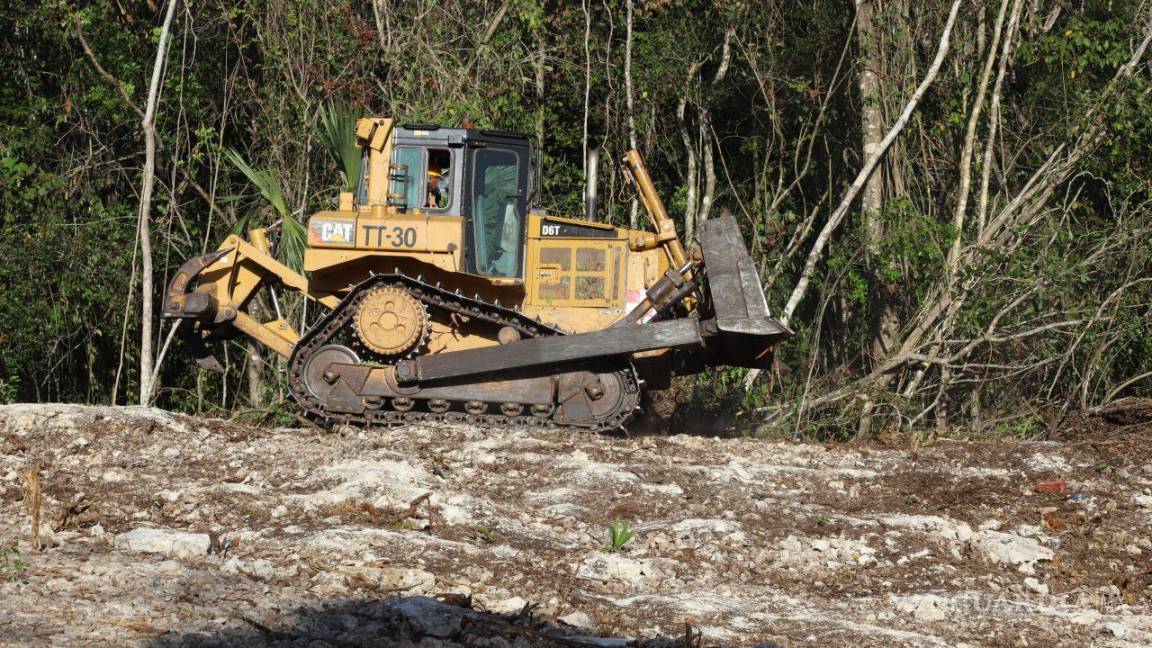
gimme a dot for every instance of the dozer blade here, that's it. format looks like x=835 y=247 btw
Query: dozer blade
x=747 y=331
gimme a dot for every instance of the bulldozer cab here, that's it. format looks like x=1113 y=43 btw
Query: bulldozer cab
x=479 y=176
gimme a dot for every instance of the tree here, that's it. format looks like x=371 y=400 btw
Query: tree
x=144 y=225
x=980 y=271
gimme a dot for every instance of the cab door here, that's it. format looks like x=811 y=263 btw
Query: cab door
x=497 y=187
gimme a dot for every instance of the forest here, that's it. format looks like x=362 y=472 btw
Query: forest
x=949 y=202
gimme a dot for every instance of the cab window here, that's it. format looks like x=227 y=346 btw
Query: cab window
x=406 y=189
x=497 y=217
x=439 y=175
x=362 y=185
x=421 y=179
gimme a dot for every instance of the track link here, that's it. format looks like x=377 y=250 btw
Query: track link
x=436 y=298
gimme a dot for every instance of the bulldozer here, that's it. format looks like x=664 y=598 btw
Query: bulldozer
x=438 y=292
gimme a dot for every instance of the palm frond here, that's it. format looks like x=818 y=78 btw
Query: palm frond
x=267 y=181
x=293 y=240
x=241 y=226
x=293 y=236
x=337 y=130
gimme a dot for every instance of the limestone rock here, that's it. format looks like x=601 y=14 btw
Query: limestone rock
x=602 y=566
x=580 y=620
x=1011 y=549
x=170 y=542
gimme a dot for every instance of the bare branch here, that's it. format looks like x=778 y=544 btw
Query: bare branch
x=837 y=216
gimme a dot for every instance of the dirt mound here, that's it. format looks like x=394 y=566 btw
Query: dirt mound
x=164 y=530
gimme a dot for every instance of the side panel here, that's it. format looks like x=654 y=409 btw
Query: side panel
x=410 y=233
x=405 y=232
x=573 y=263
x=577 y=272
x=644 y=269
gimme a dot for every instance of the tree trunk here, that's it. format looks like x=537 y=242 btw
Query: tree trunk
x=965 y=183
x=587 y=88
x=689 y=149
x=884 y=320
x=382 y=29
x=255 y=376
x=630 y=99
x=709 y=177
x=817 y=250
x=144 y=224
x=871 y=119
x=541 y=53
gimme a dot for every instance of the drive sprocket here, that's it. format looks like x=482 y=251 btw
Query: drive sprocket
x=391 y=322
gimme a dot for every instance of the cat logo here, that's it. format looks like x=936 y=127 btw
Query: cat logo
x=333 y=232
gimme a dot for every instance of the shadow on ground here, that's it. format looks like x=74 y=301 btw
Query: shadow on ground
x=398 y=621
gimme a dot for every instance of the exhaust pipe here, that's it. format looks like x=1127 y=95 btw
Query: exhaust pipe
x=592 y=167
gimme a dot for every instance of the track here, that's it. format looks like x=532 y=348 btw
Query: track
x=436 y=299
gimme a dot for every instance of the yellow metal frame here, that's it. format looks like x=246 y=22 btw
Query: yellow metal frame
x=234 y=278
x=346 y=245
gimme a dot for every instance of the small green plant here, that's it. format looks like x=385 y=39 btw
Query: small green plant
x=484 y=533
x=7 y=391
x=619 y=534
x=11 y=564
x=278 y=413
x=1019 y=428
x=822 y=519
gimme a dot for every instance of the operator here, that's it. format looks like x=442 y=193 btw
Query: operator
x=437 y=191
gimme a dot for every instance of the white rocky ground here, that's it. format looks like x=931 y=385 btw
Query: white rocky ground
x=164 y=530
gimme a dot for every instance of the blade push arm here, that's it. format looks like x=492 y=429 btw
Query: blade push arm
x=226 y=280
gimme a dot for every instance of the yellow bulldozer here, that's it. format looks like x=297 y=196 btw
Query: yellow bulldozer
x=445 y=296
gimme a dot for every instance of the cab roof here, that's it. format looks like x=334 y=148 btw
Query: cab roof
x=436 y=134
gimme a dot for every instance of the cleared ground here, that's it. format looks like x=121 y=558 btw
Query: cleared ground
x=164 y=530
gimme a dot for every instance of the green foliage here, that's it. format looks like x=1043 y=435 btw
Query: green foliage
x=292 y=242
x=1086 y=46
x=1018 y=428
x=266 y=181
x=620 y=533
x=337 y=130
x=293 y=235
x=8 y=391
x=913 y=247
x=12 y=565
x=64 y=277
